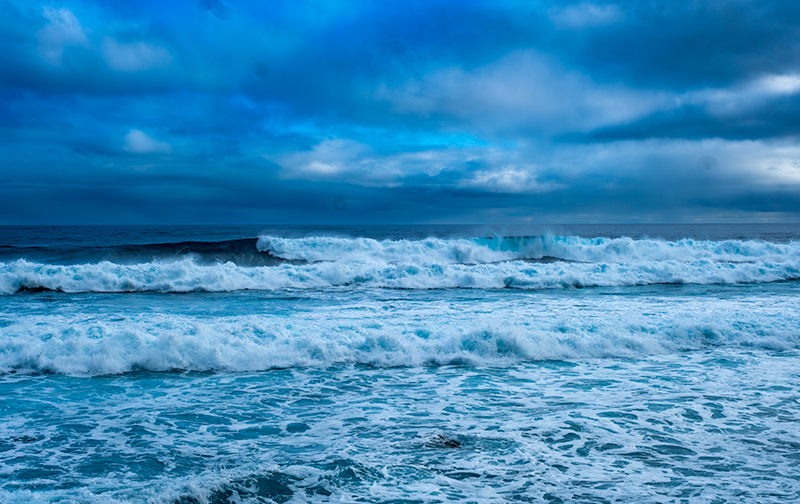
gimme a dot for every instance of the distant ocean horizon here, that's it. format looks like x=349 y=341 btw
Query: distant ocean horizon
x=419 y=363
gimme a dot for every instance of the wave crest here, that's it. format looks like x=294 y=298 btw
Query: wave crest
x=188 y=276
x=165 y=342
x=498 y=249
x=488 y=263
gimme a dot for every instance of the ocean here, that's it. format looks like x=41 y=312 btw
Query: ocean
x=400 y=364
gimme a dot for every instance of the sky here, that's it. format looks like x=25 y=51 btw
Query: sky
x=328 y=112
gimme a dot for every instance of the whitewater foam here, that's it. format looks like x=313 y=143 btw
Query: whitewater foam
x=188 y=276
x=496 y=249
x=405 y=333
x=432 y=263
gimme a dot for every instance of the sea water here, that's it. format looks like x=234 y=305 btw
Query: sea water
x=182 y=365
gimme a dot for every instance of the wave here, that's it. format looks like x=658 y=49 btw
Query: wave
x=242 y=252
x=271 y=250
x=543 y=262
x=498 y=249
x=165 y=342
x=188 y=276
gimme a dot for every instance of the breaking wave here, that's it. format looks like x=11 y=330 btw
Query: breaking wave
x=498 y=249
x=433 y=263
x=62 y=343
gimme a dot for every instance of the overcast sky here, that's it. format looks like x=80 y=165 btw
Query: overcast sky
x=122 y=111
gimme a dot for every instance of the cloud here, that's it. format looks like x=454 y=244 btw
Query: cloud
x=432 y=110
x=524 y=89
x=355 y=162
x=686 y=45
x=741 y=97
x=507 y=179
x=330 y=158
x=476 y=167
x=763 y=107
x=585 y=14
x=779 y=84
x=139 y=142
x=134 y=57
x=61 y=31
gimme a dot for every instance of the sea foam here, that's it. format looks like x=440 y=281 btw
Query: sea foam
x=489 y=263
x=403 y=333
x=496 y=249
x=188 y=276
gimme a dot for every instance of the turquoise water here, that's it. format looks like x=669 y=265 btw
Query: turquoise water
x=398 y=365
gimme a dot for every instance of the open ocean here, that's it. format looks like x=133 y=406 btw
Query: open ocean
x=208 y=364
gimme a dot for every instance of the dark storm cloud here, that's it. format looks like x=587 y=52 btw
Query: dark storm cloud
x=422 y=111
x=684 y=45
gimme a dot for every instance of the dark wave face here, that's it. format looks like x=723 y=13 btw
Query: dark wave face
x=241 y=252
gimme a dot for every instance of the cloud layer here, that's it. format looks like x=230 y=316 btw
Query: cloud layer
x=421 y=112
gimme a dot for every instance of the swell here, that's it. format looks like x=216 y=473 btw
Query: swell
x=242 y=252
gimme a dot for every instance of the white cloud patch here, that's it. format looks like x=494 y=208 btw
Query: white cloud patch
x=779 y=165
x=742 y=97
x=343 y=159
x=528 y=94
x=475 y=167
x=522 y=90
x=675 y=166
x=139 y=142
x=134 y=57
x=329 y=158
x=61 y=31
x=779 y=84
x=507 y=179
x=584 y=15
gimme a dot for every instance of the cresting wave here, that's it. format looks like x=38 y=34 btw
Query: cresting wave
x=487 y=263
x=188 y=276
x=498 y=249
x=161 y=342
